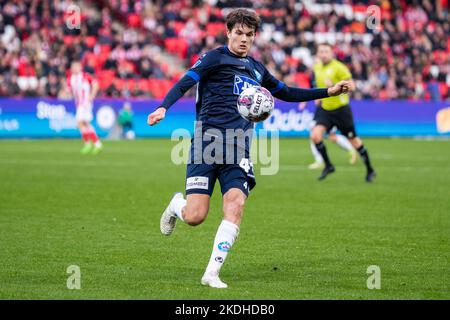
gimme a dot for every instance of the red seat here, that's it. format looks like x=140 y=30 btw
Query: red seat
x=443 y=89
x=178 y=26
x=119 y=83
x=159 y=87
x=291 y=61
x=90 y=41
x=143 y=85
x=215 y=28
x=69 y=40
x=105 y=78
x=131 y=84
x=176 y=46
x=105 y=49
x=302 y=80
x=134 y=20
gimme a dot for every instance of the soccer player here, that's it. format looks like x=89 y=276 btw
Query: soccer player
x=221 y=75
x=84 y=89
x=335 y=111
x=333 y=136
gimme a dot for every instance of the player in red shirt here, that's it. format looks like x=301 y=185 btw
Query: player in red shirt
x=84 y=89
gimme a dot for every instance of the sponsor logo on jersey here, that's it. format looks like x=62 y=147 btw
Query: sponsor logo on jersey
x=224 y=246
x=241 y=83
x=197 y=183
x=258 y=75
x=196 y=64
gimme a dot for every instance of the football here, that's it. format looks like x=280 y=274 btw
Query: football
x=255 y=104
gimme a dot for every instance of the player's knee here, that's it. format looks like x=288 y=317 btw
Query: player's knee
x=316 y=136
x=332 y=137
x=356 y=142
x=195 y=216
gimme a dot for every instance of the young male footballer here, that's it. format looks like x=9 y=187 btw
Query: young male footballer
x=221 y=75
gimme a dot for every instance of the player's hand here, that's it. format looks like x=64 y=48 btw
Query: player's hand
x=339 y=88
x=156 y=116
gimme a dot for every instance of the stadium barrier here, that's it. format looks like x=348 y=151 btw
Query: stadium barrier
x=52 y=118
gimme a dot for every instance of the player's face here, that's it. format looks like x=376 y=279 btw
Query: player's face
x=325 y=54
x=240 y=39
x=76 y=68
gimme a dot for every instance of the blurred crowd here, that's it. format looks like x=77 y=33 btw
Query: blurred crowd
x=139 y=48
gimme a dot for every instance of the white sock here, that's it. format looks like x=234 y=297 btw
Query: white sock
x=316 y=154
x=98 y=144
x=344 y=143
x=177 y=205
x=225 y=237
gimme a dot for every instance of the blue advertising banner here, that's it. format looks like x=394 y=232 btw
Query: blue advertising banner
x=47 y=118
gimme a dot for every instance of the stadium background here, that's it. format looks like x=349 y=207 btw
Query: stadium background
x=50 y=195
x=138 y=49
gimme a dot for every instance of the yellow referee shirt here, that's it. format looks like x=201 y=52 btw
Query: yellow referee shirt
x=327 y=76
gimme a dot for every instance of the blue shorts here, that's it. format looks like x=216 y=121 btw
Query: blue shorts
x=201 y=176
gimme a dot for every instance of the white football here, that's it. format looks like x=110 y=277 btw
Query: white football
x=255 y=104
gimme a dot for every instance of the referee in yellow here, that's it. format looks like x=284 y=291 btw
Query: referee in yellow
x=335 y=111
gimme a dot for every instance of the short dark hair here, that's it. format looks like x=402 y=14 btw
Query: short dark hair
x=243 y=17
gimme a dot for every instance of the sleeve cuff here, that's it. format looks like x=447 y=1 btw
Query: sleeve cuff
x=194 y=75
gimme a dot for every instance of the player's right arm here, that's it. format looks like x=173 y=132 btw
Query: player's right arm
x=199 y=70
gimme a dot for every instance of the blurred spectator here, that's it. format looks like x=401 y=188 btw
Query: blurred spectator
x=126 y=121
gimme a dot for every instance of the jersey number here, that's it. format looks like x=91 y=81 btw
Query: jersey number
x=246 y=164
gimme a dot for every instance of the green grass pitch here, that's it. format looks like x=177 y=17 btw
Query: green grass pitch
x=300 y=238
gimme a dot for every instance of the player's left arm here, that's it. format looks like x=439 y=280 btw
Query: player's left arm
x=291 y=94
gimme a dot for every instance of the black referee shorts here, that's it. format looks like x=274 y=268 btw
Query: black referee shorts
x=342 y=118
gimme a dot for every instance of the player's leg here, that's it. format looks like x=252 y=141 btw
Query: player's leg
x=359 y=146
x=345 y=144
x=192 y=210
x=82 y=126
x=347 y=127
x=236 y=183
x=233 y=207
x=317 y=134
x=200 y=180
x=318 y=160
x=95 y=139
x=323 y=125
